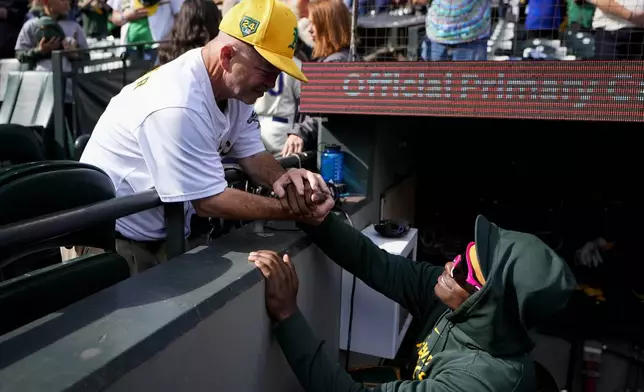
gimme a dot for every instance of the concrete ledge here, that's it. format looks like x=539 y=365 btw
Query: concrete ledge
x=91 y=344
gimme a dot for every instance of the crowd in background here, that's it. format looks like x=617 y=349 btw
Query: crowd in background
x=452 y=26
x=43 y=26
x=455 y=30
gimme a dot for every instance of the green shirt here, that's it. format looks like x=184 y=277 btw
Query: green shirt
x=95 y=23
x=581 y=14
x=139 y=31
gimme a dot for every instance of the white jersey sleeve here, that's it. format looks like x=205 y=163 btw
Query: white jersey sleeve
x=180 y=151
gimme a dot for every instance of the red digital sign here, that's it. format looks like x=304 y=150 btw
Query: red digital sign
x=563 y=90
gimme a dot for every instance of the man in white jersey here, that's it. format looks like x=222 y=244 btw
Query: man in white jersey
x=276 y=111
x=171 y=129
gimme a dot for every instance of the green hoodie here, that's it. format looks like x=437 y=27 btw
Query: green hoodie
x=481 y=346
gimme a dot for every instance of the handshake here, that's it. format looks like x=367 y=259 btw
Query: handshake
x=304 y=195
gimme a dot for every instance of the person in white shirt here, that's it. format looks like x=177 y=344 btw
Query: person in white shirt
x=171 y=129
x=619 y=29
x=276 y=111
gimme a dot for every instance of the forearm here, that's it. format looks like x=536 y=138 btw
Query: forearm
x=240 y=205
x=612 y=7
x=404 y=281
x=31 y=56
x=117 y=18
x=262 y=168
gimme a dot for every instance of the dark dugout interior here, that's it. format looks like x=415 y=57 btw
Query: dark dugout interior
x=567 y=182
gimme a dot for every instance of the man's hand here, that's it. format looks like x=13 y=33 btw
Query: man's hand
x=297 y=177
x=281 y=283
x=3 y=13
x=293 y=145
x=319 y=209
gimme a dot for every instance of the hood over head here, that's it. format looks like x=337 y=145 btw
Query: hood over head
x=526 y=282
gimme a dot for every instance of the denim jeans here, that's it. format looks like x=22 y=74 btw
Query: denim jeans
x=468 y=51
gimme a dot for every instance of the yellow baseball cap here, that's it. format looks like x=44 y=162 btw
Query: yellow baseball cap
x=271 y=27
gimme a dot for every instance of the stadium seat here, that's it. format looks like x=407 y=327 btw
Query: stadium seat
x=580 y=43
x=542 y=49
x=7 y=66
x=11 y=88
x=19 y=145
x=35 y=100
x=36 y=189
x=30 y=297
x=29 y=99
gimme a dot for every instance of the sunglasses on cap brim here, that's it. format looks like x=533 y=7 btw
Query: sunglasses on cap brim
x=462 y=267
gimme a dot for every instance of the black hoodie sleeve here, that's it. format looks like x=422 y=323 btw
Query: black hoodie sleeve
x=317 y=373
x=407 y=282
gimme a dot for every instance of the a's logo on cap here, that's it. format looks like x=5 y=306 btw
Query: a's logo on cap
x=295 y=37
x=248 y=26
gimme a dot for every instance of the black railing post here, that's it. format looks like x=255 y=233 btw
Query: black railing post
x=60 y=130
x=175 y=243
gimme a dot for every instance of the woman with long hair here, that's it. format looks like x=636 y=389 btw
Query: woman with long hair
x=195 y=25
x=330 y=29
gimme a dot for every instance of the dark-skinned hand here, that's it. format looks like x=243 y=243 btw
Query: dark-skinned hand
x=281 y=283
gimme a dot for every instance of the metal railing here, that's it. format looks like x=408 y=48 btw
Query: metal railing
x=119 y=58
x=58 y=224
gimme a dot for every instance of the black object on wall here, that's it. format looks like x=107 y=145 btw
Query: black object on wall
x=95 y=90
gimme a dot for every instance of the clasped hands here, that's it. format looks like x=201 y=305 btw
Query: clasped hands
x=305 y=195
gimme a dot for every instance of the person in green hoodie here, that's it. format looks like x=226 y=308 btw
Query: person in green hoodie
x=476 y=310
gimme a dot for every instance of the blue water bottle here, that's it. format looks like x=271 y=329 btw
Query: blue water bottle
x=331 y=164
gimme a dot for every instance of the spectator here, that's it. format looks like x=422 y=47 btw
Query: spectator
x=301 y=9
x=544 y=19
x=12 y=15
x=144 y=21
x=53 y=31
x=276 y=112
x=95 y=17
x=580 y=15
x=35 y=10
x=195 y=25
x=457 y=30
x=619 y=29
x=330 y=31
